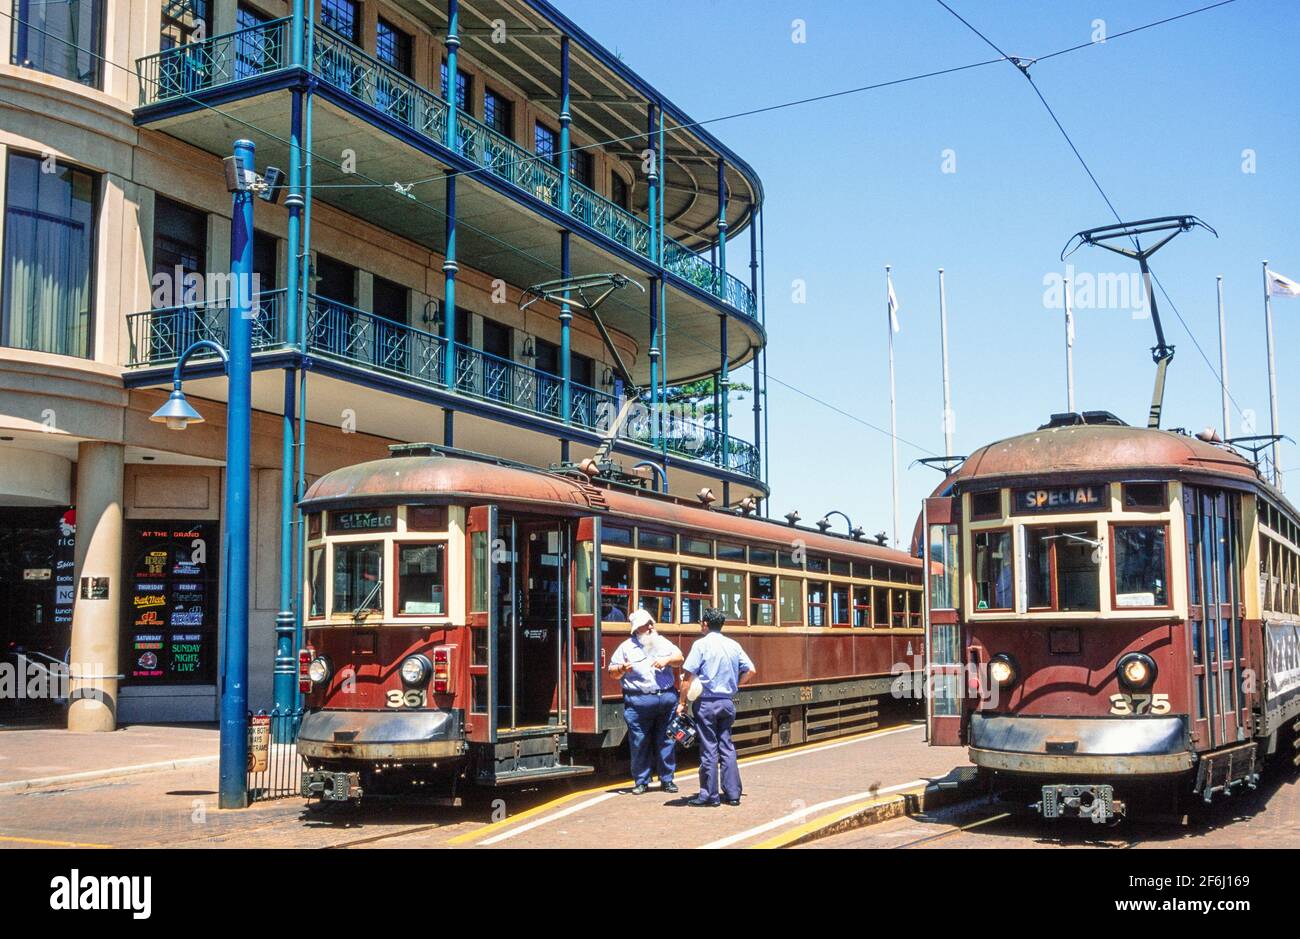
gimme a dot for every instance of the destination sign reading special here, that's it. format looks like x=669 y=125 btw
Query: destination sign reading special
x=1063 y=499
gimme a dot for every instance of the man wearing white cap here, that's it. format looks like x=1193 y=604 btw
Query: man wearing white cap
x=645 y=664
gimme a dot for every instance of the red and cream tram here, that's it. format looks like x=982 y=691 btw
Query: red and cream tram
x=1113 y=616
x=460 y=612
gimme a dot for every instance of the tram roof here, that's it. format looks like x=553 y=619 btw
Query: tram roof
x=411 y=479
x=1103 y=449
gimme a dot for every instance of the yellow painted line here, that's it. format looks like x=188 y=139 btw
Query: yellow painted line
x=53 y=844
x=493 y=827
x=830 y=818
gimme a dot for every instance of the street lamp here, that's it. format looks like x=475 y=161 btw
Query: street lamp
x=177 y=414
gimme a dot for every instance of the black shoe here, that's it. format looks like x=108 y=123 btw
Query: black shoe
x=732 y=801
x=667 y=786
x=699 y=803
x=639 y=789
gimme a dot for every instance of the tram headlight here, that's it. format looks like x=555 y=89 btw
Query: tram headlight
x=1002 y=669
x=1136 y=670
x=319 y=670
x=416 y=670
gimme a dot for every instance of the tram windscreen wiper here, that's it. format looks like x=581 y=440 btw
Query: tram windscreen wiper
x=364 y=606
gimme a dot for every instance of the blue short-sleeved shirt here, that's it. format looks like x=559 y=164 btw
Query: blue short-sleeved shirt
x=718 y=662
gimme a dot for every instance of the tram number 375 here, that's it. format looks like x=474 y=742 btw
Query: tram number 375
x=405 y=699
x=1127 y=704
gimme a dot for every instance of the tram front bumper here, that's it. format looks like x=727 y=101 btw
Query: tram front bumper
x=1080 y=746
x=379 y=736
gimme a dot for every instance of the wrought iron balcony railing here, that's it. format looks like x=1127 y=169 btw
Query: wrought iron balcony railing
x=257 y=50
x=371 y=342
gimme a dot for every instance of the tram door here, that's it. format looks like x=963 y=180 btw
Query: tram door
x=585 y=665
x=483 y=618
x=945 y=686
x=541 y=598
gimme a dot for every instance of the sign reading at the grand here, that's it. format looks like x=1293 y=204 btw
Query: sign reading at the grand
x=169 y=630
x=1062 y=499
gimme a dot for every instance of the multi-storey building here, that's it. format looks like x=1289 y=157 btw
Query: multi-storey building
x=439 y=158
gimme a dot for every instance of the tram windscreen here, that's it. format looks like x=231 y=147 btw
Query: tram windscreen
x=358 y=573
x=1061 y=571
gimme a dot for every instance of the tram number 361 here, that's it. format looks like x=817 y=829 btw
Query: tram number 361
x=407 y=699
x=1139 y=704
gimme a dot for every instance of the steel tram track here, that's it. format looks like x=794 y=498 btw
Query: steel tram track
x=1117 y=844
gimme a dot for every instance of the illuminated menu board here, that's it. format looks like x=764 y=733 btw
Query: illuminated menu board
x=170 y=622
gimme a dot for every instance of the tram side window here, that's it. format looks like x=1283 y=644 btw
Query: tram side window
x=655 y=590
x=880 y=606
x=943 y=567
x=862 y=607
x=731 y=595
x=840 y=604
x=358 y=577
x=421 y=579
x=697 y=593
x=316 y=572
x=914 y=609
x=791 y=601
x=1060 y=573
x=899 y=609
x=762 y=600
x=993 y=578
x=817 y=602
x=1141 y=576
x=615 y=589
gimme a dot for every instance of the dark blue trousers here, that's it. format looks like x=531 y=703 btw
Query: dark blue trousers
x=713 y=720
x=647 y=717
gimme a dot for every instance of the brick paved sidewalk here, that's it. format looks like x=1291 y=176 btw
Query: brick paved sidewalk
x=33 y=758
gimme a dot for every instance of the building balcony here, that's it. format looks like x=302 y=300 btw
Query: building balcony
x=250 y=61
x=358 y=345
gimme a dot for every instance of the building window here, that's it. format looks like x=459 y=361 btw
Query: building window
x=498 y=113
x=265 y=262
x=49 y=247
x=993 y=576
x=390 y=300
x=1141 y=569
x=546 y=143
x=462 y=88
x=421 y=583
x=341 y=17
x=336 y=281
x=180 y=246
x=184 y=22
x=256 y=51
x=620 y=193
x=582 y=167
x=393 y=47
x=63 y=39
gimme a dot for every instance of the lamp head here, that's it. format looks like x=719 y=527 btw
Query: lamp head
x=176 y=412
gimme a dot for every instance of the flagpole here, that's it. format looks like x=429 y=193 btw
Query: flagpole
x=947 y=390
x=893 y=410
x=1069 y=349
x=1223 y=362
x=1272 y=376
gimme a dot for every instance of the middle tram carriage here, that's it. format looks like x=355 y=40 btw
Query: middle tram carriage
x=1114 y=616
x=460 y=612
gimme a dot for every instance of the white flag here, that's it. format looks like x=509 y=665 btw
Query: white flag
x=1279 y=286
x=893 y=305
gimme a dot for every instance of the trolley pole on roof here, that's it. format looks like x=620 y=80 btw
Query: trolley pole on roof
x=1223 y=362
x=1069 y=349
x=947 y=388
x=890 y=326
x=1272 y=378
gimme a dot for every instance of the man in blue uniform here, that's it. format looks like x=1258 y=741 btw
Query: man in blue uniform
x=720 y=665
x=645 y=664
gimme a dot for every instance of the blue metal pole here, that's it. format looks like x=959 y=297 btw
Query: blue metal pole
x=720 y=275
x=724 y=380
x=652 y=183
x=654 y=359
x=449 y=265
x=566 y=313
x=753 y=289
x=234 y=690
x=285 y=682
x=453 y=45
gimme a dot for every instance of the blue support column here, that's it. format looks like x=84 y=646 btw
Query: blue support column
x=566 y=313
x=453 y=46
x=652 y=185
x=758 y=386
x=724 y=380
x=654 y=359
x=233 y=764
x=663 y=285
x=449 y=269
x=721 y=274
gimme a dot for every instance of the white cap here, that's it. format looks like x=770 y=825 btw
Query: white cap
x=640 y=618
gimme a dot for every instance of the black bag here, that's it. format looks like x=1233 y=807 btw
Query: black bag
x=681 y=730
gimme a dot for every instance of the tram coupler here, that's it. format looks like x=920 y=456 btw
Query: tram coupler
x=331 y=786
x=1094 y=802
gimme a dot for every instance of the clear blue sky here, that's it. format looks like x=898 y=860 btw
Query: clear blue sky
x=855 y=183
